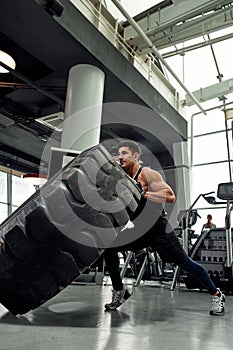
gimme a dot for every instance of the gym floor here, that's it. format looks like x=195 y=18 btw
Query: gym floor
x=153 y=318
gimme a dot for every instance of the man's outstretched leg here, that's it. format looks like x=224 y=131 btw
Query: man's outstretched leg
x=217 y=297
x=166 y=243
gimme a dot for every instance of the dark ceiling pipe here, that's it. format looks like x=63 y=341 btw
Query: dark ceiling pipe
x=33 y=85
x=53 y=7
x=13 y=152
x=18 y=165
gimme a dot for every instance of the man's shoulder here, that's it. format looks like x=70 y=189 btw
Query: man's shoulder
x=145 y=168
x=149 y=170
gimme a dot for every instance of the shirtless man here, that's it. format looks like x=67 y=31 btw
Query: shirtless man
x=155 y=191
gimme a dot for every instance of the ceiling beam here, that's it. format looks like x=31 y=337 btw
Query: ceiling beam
x=195 y=28
x=218 y=90
x=174 y=24
x=197 y=46
x=15 y=153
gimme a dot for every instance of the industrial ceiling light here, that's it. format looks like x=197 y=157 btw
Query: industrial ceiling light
x=8 y=60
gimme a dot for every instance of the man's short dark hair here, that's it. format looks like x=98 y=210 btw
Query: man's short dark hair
x=132 y=145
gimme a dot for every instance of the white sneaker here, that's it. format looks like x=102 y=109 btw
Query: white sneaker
x=118 y=298
x=218 y=304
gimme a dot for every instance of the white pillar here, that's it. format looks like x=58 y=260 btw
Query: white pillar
x=180 y=151
x=182 y=188
x=83 y=109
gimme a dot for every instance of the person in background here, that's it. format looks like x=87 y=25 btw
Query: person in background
x=209 y=224
x=160 y=237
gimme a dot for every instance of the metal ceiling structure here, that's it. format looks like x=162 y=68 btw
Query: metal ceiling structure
x=171 y=23
x=167 y=24
x=36 y=34
x=48 y=37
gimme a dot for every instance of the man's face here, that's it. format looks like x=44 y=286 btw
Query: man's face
x=126 y=157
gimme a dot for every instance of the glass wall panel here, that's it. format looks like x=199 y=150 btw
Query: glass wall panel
x=3 y=187
x=21 y=191
x=213 y=121
x=3 y=212
x=209 y=148
x=13 y=208
x=223 y=59
x=197 y=65
x=206 y=179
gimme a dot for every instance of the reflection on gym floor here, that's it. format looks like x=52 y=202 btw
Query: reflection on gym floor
x=154 y=318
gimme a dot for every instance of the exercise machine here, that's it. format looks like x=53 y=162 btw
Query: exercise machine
x=213 y=248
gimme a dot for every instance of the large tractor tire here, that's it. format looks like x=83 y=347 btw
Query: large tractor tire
x=63 y=228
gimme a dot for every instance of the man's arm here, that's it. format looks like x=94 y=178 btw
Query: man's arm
x=156 y=189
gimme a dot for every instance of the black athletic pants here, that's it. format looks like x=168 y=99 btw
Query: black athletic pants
x=162 y=239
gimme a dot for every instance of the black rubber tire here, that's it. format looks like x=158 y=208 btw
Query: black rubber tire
x=63 y=228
